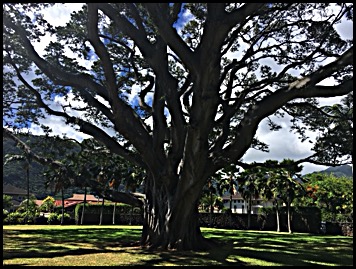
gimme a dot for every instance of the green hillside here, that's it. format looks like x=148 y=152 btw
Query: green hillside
x=14 y=172
x=338 y=171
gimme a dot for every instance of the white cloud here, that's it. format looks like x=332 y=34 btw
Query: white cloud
x=59 y=14
x=57 y=124
x=283 y=144
x=59 y=127
x=345 y=30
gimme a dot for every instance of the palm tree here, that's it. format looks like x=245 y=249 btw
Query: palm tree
x=102 y=179
x=81 y=180
x=83 y=163
x=271 y=190
x=114 y=184
x=62 y=183
x=60 y=179
x=281 y=186
x=291 y=186
x=250 y=180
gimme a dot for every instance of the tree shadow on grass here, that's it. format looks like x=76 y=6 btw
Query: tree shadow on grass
x=51 y=243
x=234 y=249
x=286 y=249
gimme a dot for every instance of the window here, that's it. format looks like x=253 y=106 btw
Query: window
x=20 y=198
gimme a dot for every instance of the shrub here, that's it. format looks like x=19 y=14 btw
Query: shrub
x=53 y=218
x=66 y=217
x=48 y=204
x=266 y=210
x=15 y=217
x=4 y=213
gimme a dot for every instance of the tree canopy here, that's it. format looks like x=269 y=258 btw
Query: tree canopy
x=177 y=89
x=333 y=195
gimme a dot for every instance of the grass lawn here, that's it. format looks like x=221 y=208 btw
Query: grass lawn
x=54 y=245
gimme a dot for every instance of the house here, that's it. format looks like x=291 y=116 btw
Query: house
x=18 y=195
x=239 y=205
x=70 y=203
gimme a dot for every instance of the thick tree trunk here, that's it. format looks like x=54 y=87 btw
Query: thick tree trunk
x=172 y=222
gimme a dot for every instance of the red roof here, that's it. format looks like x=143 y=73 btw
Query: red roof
x=39 y=202
x=66 y=203
x=80 y=197
x=77 y=199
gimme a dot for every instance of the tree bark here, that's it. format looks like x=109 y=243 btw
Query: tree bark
x=171 y=221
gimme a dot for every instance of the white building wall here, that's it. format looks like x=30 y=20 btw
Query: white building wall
x=240 y=206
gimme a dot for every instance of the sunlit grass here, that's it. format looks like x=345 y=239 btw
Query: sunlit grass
x=55 y=245
x=258 y=262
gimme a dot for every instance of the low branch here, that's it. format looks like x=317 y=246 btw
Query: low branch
x=143 y=94
x=133 y=199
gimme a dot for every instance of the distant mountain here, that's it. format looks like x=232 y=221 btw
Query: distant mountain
x=14 y=172
x=338 y=171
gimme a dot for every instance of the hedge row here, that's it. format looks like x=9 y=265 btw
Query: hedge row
x=124 y=214
x=307 y=219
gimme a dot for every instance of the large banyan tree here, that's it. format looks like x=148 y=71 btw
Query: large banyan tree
x=177 y=89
